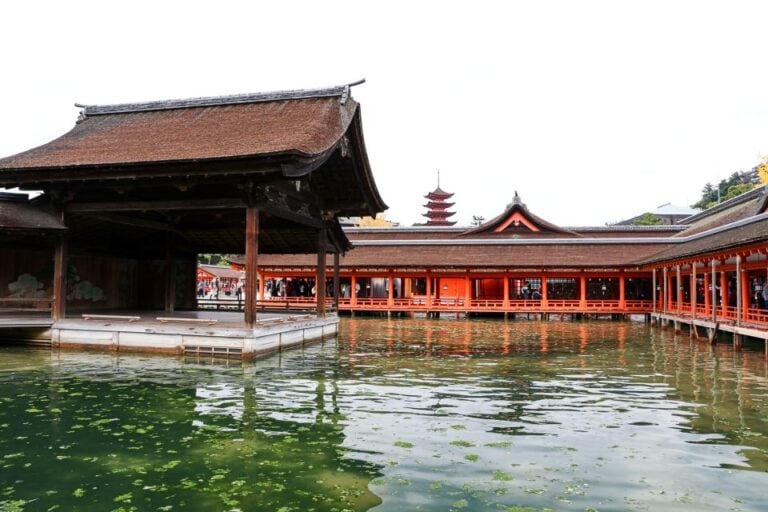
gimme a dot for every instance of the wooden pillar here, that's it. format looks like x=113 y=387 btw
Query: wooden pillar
x=714 y=292
x=739 y=288
x=353 y=291
x=692 y=291
x=60 y=258
x=390 y=289
x=622 y=290
x=429 y=291
x=724 y=291
x=320 y=281
x=707 y=294
x=544 y=294
x=467 y=291
x=170 y=273
x=678 y=289
x=251 y=264
x=505 y=302
x=336 y=279
x=653 y=290
x=746 y=297
x=665 y=286
x=583 y=290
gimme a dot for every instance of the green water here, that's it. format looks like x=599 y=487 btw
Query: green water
x=396 y=415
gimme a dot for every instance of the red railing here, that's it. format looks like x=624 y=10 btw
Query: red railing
x=728 y=314
x=421 y=303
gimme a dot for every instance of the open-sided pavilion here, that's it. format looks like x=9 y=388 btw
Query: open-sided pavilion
x=134 y=192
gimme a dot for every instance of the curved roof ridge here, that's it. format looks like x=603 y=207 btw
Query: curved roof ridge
x=209 y=101
x=517 y=205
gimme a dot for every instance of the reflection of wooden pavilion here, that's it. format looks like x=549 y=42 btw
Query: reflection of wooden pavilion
x=142 y=188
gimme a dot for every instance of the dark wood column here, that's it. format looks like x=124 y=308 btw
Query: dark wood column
x=251 y=263
x=170 y=273
x=320 y=282
x=336 y=279
x=60 y=257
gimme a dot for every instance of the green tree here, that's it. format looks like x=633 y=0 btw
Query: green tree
x=648 y=219
x=737 y=183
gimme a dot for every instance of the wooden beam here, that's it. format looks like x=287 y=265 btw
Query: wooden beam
x=128 y=206
x=133 y=221
x=251 y=264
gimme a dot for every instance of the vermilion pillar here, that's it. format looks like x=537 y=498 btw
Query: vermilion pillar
x=622 y=291
x=391 y=289
x=692 y=289
x=429 y=291
x=707 y=293
x=544 y=294
x=353 y=291
x=724 y=292
x=505 y=302
x=583 y=290
x=467 y=290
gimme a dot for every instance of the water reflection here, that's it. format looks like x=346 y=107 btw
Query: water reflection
x=559 y=415
x=395 y=415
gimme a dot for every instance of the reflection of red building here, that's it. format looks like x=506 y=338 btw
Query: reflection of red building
x=213 y=281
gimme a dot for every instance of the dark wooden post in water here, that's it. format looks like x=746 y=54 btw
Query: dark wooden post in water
x=59 y=306
x=251 y=264
x=170 y=273
x=322 y=240
x=336 y=279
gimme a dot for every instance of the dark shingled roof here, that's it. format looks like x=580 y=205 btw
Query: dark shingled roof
x=293 y=122
x=21 y=216
x=750 y=231
x=733 y=210
x=478 y=255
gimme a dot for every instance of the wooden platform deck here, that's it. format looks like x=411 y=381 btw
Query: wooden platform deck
x=217 y=333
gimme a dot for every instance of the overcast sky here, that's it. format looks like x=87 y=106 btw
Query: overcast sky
x=594 y=111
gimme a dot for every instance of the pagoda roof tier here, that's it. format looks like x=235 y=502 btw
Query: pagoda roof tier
x=438 y=205
x=439 y=193
x=437 y=214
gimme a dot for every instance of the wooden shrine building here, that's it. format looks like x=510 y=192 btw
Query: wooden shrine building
x=135 y=191
x=518 y=263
